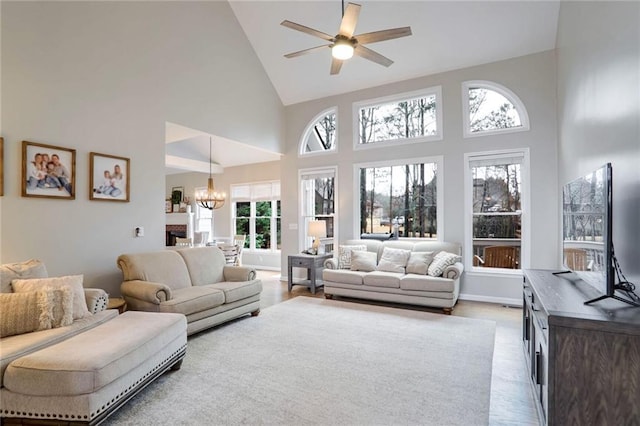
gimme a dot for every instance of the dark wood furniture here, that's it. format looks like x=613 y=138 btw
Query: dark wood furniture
x=583 y=360
x=314 y=265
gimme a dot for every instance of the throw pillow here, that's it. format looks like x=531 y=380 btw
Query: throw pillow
x=344 y=255
x=364 y=261
x=35 y=310
x=419 y=262
x=393 y=260
x=80 y=309
x=11 y=271
x=59 y=305
x=440 y=263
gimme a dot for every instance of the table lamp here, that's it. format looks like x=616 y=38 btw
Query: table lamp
x=317 y=229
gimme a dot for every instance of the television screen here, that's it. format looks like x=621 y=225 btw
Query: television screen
x=586 y=229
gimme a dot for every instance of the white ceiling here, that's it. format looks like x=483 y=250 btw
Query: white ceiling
x=446 y=35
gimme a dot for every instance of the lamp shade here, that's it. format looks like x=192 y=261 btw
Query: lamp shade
x=317 y=229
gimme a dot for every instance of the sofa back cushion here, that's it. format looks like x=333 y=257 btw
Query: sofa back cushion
x=21 y=270
x=205 y=264
x=393 y=259
x=164 y=267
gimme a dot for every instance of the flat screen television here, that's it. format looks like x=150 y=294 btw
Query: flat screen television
x=587 y=246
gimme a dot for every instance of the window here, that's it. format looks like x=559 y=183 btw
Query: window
x=256 y=213
x=496 y=200
x=203 y=218
x=490 y=108
x=320 y=135
x=405 y=118
x=404 y=194
x=318 y=195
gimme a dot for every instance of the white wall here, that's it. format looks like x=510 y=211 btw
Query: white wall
x=532 y=78
x=105 y=77
x=598 y=52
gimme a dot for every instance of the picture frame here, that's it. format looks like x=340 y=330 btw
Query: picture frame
x=48 y=171
x=167 y=205
x=109 y=178
x=177 y=196
x=1 y=167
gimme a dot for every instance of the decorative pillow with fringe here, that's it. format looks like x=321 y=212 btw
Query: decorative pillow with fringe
x=80 y=309
x=35 y=310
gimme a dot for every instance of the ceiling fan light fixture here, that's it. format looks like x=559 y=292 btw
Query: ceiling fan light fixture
x=342 y=50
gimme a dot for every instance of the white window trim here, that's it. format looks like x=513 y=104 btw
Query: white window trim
x=307 y=130
x=525 y=242
x=439 y=160
x=252 y=218
x=436 y=90
x=301 y=225
x=504 y=91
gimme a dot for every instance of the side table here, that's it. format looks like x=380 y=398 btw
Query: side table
x=313 y=265
x=117 y=303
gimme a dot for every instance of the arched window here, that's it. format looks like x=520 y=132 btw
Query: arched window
x=320 y=135
x=490 y=108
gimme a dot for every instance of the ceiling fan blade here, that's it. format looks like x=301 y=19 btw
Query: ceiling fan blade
x=383 y=35
x=369 y=54
x=349 y=19
x=336 y=64
x=305 y=51
x=307 y=30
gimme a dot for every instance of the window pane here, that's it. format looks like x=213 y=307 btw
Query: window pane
x=502 y=226
x=404 y=195
x=263 y=209
x=322 y=135
x=243 y=209
x=489 y=110
x=497 y=188
x=411 y=118
x=278 y=208
x=263 y=232
x=242 y=228
x=279 y=233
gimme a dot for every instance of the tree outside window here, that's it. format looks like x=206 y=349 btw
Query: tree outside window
x=320 y=136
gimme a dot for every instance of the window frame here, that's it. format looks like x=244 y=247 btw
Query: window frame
x=525 y=194
x=273 y=199
x=303 y=240
x=502 y=90
x=399 y=97
x=308 y=129
x=437 y=159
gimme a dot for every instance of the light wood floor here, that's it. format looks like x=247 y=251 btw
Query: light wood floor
x=512 y=400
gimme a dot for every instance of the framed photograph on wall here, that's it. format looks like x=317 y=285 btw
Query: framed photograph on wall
x=48 y=171
x=108 y=177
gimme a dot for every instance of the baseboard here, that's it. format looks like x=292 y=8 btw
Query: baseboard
x=491 y=299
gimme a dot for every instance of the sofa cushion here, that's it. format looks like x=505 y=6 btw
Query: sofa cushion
x=23 y=313
x=440 y=263
x=193 y=299
x=11 y=271
x=364 y=261
x=383 y=279
x=419 y=262
x=343 y=276
x=80 y=309
x=414 y=282
x=205 y=264
x=164 y=267
x=238 y=290
x=87 y=362
x=393 y=260
x=344 y=255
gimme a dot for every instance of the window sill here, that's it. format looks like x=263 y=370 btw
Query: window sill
x=493 y=271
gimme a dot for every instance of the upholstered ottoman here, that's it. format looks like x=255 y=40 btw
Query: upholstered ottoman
x=87 y=377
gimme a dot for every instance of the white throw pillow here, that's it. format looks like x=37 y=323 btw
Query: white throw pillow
x=80 y=309
x=344 y=255
x=419 y=262
x=364 y=261
x=440 y=263
x=393 y=260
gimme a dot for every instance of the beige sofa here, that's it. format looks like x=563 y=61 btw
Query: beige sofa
x=194 y=281
x=411 y=288
x=80 y=372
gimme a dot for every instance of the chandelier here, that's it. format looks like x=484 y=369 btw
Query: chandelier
x=210 y=198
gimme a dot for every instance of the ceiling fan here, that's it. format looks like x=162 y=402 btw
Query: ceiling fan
x=345 y=44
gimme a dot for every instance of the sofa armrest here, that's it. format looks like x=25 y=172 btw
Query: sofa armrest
x=147 y=291
x=97 y=299
x=238 y=273
x=453 y=271
x=331 y=263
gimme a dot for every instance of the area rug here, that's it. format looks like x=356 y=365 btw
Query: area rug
x=311 y=361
